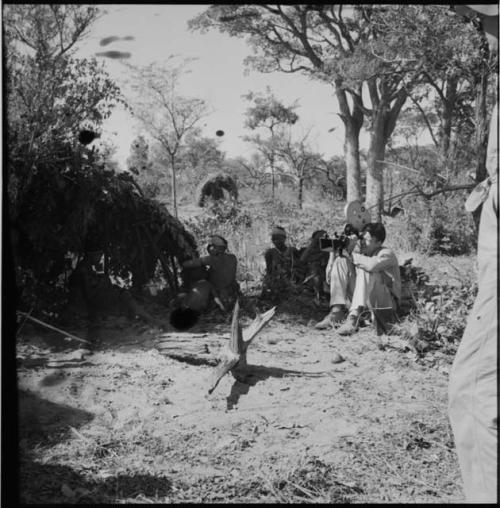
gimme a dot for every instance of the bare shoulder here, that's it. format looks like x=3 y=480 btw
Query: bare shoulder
x=206 y=260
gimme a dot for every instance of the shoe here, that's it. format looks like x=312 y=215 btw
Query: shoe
x=336 y=314
x=365 y=318
x=349 y=327
x=324 y=324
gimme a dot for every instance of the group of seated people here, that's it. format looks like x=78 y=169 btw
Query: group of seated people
x=363 y=280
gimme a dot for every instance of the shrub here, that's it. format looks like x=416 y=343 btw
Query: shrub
x=237 y=227
x=440 y=315
x=439 y=225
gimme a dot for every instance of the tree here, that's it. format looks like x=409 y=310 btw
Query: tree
x=50 y=97
x=449 y=52
x=451 y=97
x=253 y=171
x=376 y=65
x=199 y=157
x=269 y=114
x=379 y=51
x=48 y=32
x=138 y=159
x=330 y=176
x=139 y=163
x=166 y=115
x=298 y=158
x=310 y=39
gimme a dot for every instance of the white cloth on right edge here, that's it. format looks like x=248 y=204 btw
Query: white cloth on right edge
x=473 y=405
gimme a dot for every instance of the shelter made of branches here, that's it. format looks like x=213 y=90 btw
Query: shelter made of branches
x=153 y=235
x=213 y=187
x=61 y=209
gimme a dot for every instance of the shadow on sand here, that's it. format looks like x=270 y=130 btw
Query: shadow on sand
x=57 y=483
x=44 y=422
x=255 y=373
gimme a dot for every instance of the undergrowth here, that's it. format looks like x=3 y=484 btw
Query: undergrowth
x=440 y=313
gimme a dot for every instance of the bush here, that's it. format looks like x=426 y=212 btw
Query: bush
x=440 y=316
x=440 y=225
x=65 y=208
x=247 y=230
x=237 y=227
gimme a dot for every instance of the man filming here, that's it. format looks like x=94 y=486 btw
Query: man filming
x=364 y=276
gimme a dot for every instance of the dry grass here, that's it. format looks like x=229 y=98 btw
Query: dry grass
x=134 y=426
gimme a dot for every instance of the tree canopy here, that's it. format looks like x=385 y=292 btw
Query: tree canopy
x=376 y=57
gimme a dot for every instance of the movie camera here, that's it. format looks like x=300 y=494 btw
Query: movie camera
x=356 y=217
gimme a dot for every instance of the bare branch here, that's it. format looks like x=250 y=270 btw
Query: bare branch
x=328 y=22
x=436 y=87
x=302 y=36
x=426 y=120
x=394 y=112
x=358 y=100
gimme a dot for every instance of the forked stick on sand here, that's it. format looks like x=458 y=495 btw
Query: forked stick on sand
x=236 y=353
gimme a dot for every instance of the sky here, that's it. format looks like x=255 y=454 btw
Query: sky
x=217 y=75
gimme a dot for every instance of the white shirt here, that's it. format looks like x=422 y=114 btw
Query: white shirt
x=385 y=261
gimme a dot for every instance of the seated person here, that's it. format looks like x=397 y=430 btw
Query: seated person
x=190 y=277
x=314 y=262
x=366 y=276
x=281 y=261
x=89 y=284
x=220 y=282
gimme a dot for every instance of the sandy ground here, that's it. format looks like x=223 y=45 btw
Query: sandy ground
x=129 y=424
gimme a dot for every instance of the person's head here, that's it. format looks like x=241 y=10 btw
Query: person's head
x=373 y=235
x=217 y=245
x=320 y=233
x=315 y=238
x=278 y=237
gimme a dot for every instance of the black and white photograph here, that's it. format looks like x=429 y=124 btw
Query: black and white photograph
x=249 y=253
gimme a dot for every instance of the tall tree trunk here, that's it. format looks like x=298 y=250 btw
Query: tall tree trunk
x=481 y=134
x=353 y=122
x=374 y=174
x=174 y=187
x=388 y=189
x=384 y=117
x=351 y=153
x=272 y=181
x=301 y=189
x=447 y=116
